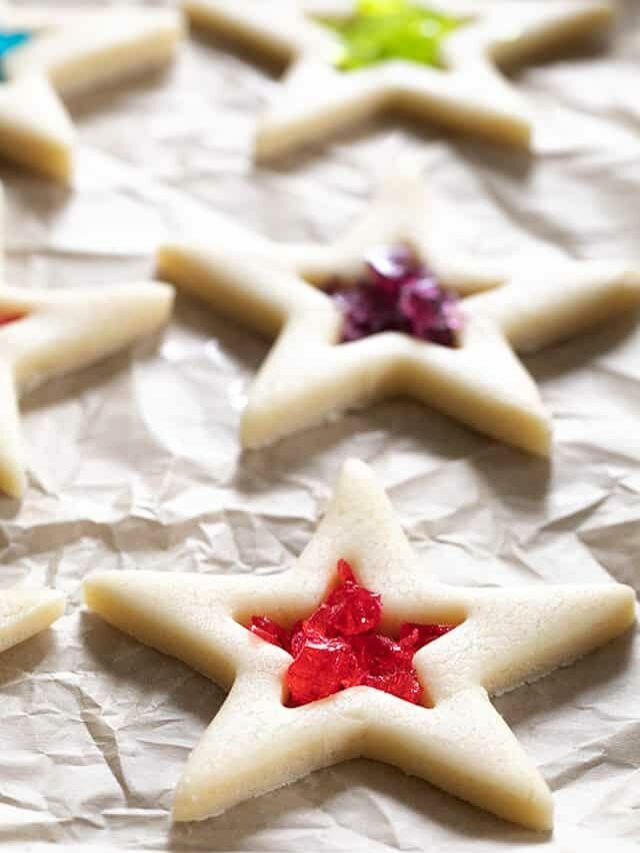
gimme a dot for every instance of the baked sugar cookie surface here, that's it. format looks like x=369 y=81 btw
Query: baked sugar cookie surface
x=25 y=611
x=451 y=736
x=384 y=312
x=47 y=54
x=135 y=463
x=344 y=66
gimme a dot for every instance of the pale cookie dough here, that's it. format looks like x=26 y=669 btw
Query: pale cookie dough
x=459 y=743
x=25 y=611
x=60 y=331
x=470 y=95
x=35 y=129
x=307 y=377
x=84 y=49
x=71 y=51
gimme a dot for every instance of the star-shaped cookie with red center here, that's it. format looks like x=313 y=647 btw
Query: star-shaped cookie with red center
x=449 y=734
x=45 y=333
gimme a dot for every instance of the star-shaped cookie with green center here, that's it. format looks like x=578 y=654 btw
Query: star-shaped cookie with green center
x=436 y=59
x=454 y=739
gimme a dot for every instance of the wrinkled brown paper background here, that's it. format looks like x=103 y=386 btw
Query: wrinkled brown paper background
x=136 y=464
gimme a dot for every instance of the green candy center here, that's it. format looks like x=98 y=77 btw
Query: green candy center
x=381 y=30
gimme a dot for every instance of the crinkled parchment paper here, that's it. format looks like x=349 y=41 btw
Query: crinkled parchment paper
x=136 y=464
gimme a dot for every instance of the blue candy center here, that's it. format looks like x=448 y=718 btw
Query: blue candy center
x=8 y=42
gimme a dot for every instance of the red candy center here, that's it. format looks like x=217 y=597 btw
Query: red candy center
x=338 y=646
x=5 y=319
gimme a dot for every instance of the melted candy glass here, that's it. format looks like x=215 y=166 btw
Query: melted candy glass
x=8 y=42
x=339 y=646
x=396 y=293
x=381 y=30
x=9 y=317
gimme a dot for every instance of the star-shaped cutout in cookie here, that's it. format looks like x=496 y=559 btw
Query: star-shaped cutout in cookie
x=49 y=54
x=307 y=377
x=468 y=94
x=45 y=333
x=25 y=611
x=457 y=741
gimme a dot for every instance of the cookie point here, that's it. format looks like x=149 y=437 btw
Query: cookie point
x=626 y=598
x=59 y=165
x=165 y=294
x=13 y=482
x=542 y=446
x=268 y=144
x=356 y=474
x=354 y=467
x=165 y=260
x=51 y=603
x=522 y=136
x=62 y=163
x=535 y=434
x=147 y=305
x=27 y=611
x=88 y=592
x=93 y=586
x=540 y=817
x=254 y=432
x=181 y=811
x=187 y=805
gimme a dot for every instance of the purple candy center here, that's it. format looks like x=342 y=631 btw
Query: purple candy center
x=397 y=293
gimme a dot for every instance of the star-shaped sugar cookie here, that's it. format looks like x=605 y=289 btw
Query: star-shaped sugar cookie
x=455 y=739
x=308 y=376
x=44 y=333
x=467 y=94
x=25 y=611
x=66 y=51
